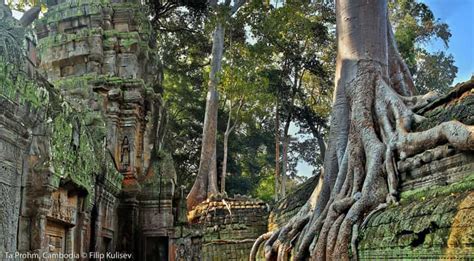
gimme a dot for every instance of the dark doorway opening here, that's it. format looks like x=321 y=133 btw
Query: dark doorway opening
x=156 y=249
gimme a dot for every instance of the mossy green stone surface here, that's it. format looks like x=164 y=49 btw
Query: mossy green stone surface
x=434 y=223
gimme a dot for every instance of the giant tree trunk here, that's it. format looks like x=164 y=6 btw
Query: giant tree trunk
x=370 y=129
x=206 y=180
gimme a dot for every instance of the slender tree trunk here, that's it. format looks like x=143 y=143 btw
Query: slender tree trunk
x=226 y=142
x=206 y=180
x=286 y=138
x=229 y=129
x=277 y=151
x=224 y=162
x=321 y=145
x=286 y=141
x=370 y=124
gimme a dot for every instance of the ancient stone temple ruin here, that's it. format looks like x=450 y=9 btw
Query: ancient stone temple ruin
x=82 y=124
x=84 y=171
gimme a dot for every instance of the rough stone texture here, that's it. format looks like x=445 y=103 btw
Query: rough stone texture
x=456 y=104
x=91 y=50
x=16 y=124
x=229 y=226
x=291 y=204
x=441 y=165
x=433 y=227
x=14 y=139
x=434 y=218
x=62 y=190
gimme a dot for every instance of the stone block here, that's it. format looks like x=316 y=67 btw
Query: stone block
x=67 y=71
x=121 y=27
x=59 y=53
x=127 y=65
x=83 y=21
x=95 y=48
x=80 y=48
x=63 y=26
x=80 y=69
x=109 y=66
x=93 y=67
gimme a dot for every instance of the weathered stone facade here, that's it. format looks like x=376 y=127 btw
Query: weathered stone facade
x=14 y=140
x=101 y=54
x=82 y=171
x=228 y=227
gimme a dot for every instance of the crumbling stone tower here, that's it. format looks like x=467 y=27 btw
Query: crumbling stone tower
x=100 y=54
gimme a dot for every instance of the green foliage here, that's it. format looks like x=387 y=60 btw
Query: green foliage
x=266 y=187
x=437 y=71
x=264 y=48
x=185 y=109
x=415 y=25
x=298 y=37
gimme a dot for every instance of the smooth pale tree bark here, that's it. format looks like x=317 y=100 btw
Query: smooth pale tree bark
x=370 y=128
x=229 y=129
x=206 y=180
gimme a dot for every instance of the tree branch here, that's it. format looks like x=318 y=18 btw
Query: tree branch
x=236 y=6
x=241 y=103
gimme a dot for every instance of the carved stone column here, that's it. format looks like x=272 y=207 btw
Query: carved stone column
x=38 y=230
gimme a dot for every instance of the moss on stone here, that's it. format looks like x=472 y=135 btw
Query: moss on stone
x=17 y=86
x=422 y=194
x=428 y=223
x=458 y=104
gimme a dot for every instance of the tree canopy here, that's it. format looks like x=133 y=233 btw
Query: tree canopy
x=277 y=59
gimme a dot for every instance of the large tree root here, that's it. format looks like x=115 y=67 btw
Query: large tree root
x=257 y=243
x=367 y=181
